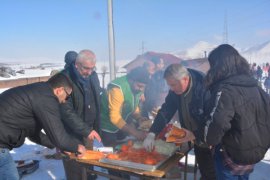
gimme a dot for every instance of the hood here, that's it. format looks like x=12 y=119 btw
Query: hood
x=238 y=80
x=241 y=80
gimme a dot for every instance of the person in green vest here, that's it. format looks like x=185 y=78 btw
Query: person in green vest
x=119 y=107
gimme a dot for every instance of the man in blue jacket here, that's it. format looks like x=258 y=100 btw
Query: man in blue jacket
x=186 y=96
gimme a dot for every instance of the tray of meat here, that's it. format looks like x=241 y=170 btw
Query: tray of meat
x=138 y=158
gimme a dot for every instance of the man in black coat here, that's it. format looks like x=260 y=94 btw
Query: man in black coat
x=186 y=96
x=25 y=111
x=81 y=113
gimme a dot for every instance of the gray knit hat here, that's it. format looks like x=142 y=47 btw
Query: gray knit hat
x=139 y=74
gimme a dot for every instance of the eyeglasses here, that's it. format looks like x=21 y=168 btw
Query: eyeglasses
x=88 y=68
x=67 y=94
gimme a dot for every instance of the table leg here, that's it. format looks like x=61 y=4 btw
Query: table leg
x=185 y=171
x=195 y=169
x=84 y=173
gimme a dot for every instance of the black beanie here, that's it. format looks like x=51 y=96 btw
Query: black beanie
x=139 y=74
x=70 y=57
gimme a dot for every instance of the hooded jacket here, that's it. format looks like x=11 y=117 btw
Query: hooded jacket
x=235 y=119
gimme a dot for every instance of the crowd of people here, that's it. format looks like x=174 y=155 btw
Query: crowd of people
x=226 y=111
x=262 y=74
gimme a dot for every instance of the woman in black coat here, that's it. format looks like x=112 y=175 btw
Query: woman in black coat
x=234 y=115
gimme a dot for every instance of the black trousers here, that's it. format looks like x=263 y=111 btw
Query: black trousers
x=205 y=161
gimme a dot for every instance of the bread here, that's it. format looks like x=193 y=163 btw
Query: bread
x=92 y=155
x=175 y=133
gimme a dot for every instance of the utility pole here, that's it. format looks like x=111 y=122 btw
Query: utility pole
x=142 y=47
x=111 y=41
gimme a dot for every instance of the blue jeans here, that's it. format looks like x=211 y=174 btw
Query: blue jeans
x=224 y=173
x=8 y=170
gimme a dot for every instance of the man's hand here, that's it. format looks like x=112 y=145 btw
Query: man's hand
x=140 y=135
x=142 y=119
x=94 y=135
x=149 y=142
x=81 y=149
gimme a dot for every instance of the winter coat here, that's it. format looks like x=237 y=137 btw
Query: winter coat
x=195 y=107
x=73 y=110
x=234 y=114
x=25 y=110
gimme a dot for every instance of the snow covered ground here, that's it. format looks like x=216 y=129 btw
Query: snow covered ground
x=50 y=169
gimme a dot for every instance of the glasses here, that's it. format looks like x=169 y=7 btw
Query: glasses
x=67 y=94
x=88 y=68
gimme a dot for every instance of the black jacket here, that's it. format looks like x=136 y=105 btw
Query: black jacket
x=25 y=110
x=73 y=110
x=234 y=114
x=195 y=107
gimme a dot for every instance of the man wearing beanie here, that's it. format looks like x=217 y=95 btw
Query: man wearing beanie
x=70 y=58
x=120 y=104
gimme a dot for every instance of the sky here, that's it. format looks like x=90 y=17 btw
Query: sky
x=33 y=30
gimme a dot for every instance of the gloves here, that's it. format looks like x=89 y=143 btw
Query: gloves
x=149 y=142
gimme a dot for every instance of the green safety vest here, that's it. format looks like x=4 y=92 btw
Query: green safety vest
x=131 y=102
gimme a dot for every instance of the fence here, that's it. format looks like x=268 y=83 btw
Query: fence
x=23 y=81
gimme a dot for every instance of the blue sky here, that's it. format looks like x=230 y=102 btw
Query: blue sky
x=49 y=28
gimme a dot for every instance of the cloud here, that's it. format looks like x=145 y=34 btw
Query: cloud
x=218 y=38
x=263 y=32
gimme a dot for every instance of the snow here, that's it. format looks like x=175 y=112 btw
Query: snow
x=32 y=70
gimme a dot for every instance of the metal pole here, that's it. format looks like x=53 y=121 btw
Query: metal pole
x=111 y=41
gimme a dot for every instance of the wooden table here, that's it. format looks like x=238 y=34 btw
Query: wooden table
x=156 y=174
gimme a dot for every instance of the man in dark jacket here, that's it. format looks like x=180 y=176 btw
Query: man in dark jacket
x=187 y=96
x=25 y=111
x=81 y=113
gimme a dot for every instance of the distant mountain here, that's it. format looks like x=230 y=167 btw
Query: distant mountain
x=259 y=53
x=199 y=50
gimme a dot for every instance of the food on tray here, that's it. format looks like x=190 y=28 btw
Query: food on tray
x=150 y=161
x=175 y=134
x=113 y=156
x=92 y=155
x=140 y=156
x=136 y=155
x=161 y=147
x=124 y=148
